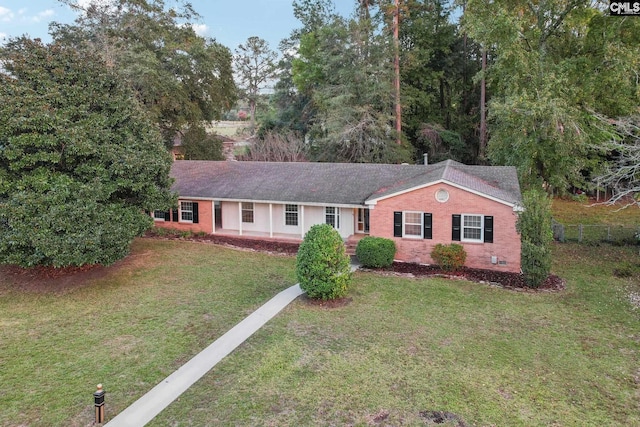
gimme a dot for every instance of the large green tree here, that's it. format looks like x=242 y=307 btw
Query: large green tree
x=80 y=160
x=181 y=78
x=555 y=63
x=346 y=65
x=440 y=97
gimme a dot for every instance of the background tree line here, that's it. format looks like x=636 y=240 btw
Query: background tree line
x=557 y=76
x=550 y=87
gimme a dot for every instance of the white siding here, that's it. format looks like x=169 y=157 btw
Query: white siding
x=312 y=215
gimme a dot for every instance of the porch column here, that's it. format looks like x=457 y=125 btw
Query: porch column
x=240 y=218
x=302 y=221
x=270 y=219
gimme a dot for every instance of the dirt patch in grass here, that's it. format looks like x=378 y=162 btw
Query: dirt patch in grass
x=441 y=417
x=332 y=303
x=59 y=280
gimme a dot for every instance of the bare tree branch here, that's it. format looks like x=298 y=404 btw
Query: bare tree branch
x=622 y=174
x=277 y=147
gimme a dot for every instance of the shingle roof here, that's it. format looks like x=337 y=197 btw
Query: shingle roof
x=332 y=183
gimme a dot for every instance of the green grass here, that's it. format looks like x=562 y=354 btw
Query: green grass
x=492 y=356
x=568 y=211
x=402 y=346
x=228 y=128
x=127 y=330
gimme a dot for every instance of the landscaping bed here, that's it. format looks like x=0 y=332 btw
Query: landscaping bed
x=256 y=244
x=502 y=278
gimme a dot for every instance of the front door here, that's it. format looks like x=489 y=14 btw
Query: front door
x=218 y=214
x=363 y=221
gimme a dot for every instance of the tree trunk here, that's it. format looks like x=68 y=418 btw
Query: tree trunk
x=483 y=109
x=396 y=40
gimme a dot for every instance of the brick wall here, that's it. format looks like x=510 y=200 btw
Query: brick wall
x=205 y=218
x=506 y=241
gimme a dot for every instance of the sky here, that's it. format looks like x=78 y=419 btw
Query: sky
x=228 y=21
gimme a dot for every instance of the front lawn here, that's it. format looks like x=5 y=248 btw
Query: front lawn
x=400 y=348
x=404 y=347
x=127 y=326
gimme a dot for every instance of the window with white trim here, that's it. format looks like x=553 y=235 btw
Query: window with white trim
x=412 y=225
x=247 y=212
x=471 y=228
x=159 y=215
x=186 y=211
x=332 y=216
x=291 y=215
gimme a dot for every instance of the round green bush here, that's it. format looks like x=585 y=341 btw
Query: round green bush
x=323 y=267
x=376 y=252
x=449 y=257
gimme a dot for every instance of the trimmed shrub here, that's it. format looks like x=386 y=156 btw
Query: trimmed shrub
x=449 y=257
x=535 y=263
x=534 y=226
x=323 y=267
x=376 y=252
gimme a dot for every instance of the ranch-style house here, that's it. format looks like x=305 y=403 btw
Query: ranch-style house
x=417 y=206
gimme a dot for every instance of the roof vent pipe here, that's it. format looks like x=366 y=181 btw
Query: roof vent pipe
x=426 y=158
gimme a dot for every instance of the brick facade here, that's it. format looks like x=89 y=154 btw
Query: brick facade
x=506 y=241
x=204 y=224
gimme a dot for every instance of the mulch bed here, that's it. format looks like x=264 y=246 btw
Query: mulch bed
x=270 y=246
x=500 y=278
x=504 y=279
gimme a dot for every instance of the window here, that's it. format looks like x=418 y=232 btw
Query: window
x=442 y=195
x=332 y=216
x=291 y=215
x=247 y=212
x=412 y=224
x=186 y=211
x=159 y=215
x=472 y=228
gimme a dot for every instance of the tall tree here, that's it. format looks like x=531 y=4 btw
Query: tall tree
x=553 y=61
x=255 y=66
x=440 y=114
x=80 y=161
x=182 y=79
x=291 y=107
x=396 y=70
x=346 y=66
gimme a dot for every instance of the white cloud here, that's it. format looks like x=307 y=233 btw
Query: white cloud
x=6 y=15
x=42 y=15
x=200 y=29
x=85 y=3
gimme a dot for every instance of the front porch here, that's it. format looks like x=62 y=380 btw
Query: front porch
x=280 y=237
x=350 y=242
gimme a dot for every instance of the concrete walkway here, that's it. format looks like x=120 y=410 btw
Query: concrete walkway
x=151 y=404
